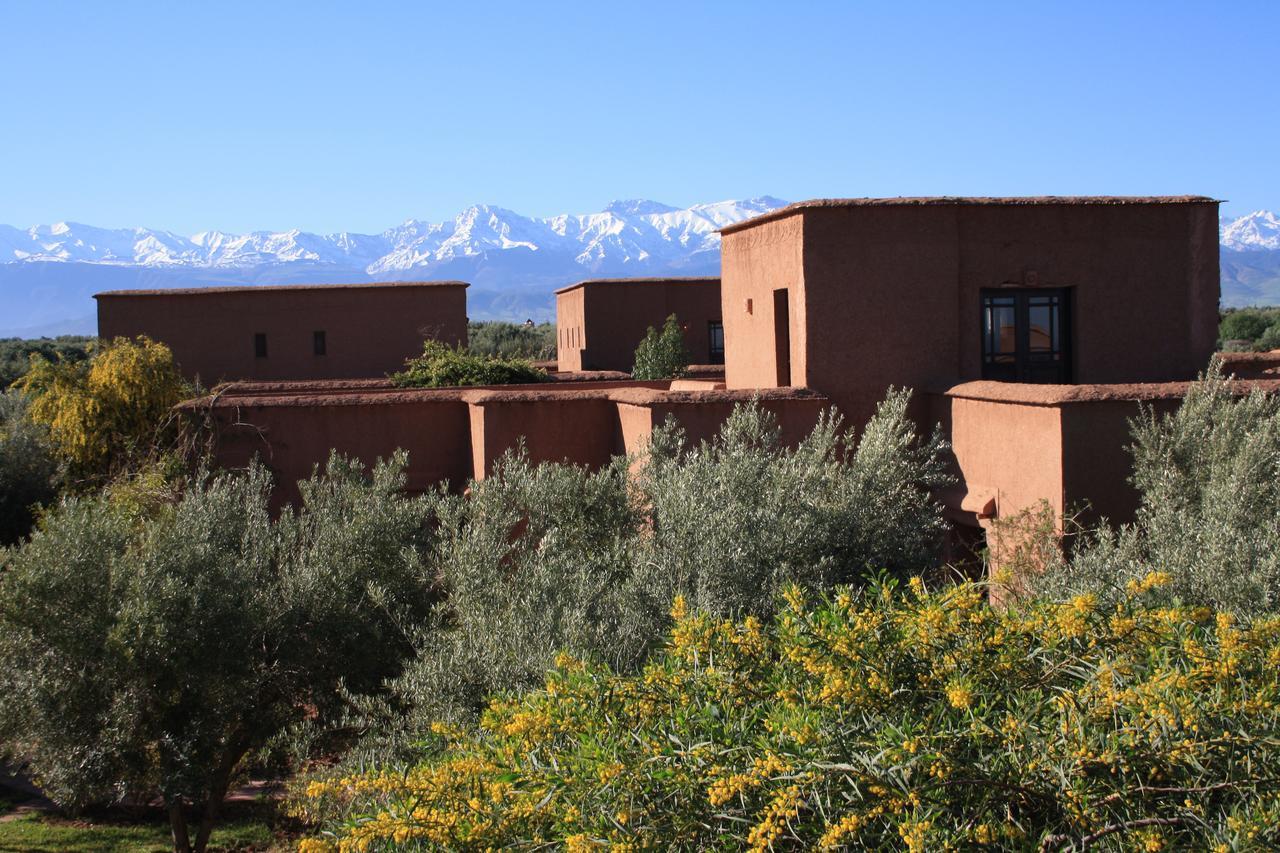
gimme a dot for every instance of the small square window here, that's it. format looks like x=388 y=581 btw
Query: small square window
x=260 y=344
x=317 y=343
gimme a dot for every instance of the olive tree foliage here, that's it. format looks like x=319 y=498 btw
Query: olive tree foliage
x=662 y=354
x=535 y=560
x=147 y=653
x=737 y=518
x=540 y=559
x=1208 y=477
x=29 y=475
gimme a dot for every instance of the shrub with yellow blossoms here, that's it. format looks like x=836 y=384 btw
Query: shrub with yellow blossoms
x=105 y=410
x=888 y=719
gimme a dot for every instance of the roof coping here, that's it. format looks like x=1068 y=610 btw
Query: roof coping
x=820 y=203
x=689 y=279
x=261 y=288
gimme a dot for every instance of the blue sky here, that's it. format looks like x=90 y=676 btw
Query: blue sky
x=332 y=116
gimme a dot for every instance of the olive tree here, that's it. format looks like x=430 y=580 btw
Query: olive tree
x=146 y=653
x=1208 y=479
x=737 y=518
x=29 y=475
x=539 y=559
x=662 y=354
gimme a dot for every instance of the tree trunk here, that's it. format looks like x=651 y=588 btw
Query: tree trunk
x=178 y=826
x=218 y=792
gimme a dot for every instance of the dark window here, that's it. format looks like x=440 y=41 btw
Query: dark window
x=715 y=342
x=260 y=344
x=1026 y=336
x=317 y=342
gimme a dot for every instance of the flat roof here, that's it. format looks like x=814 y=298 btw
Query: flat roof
x=944 y=200
x=690 y=279
x=258 y=288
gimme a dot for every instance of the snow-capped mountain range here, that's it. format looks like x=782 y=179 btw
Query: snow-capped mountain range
x=48 y=273
x=1259 y=231
x=642 y=233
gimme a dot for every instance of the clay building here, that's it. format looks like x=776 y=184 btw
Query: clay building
x=329 y=331
x=1030 y=328
x=600 y=322
x=850 y=296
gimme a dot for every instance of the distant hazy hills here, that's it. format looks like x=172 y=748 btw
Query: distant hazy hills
x=49 y=273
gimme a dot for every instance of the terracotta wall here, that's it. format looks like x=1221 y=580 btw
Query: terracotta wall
x=456 y=434
x=889 y=295
x=600 y=323
x=754 y=263
x=701 y=414
x=577 y=428
x=369 y=330
x=570 y=323
x=1008 y=454
x=292 y=434
x=1017 y=444
x=1143 y=277
x=880 y=288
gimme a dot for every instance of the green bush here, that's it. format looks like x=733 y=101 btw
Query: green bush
x=15 y=353
x=1259 y=328
x=1208 y=477
x=662 y=354
x=443 y=366
x=548 y=558
x=886 y=720
x=512 y=340
x=737 y=518
x=145 y=652
x=29 y=475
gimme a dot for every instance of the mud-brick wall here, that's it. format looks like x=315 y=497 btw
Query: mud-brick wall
x=292 y=436
x=369 y=330
x=577 y=428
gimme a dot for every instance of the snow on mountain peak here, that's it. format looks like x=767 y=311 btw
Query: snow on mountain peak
x=637 y=235
x=637 y=207
x=1257 y=231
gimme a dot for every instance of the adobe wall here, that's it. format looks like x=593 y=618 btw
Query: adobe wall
x=458 y=433
x=1008 y=454
x=1017 y=443
x=570 y=321
x=600 y=323
x=880 y=292
x=580 y=428
x=890 y=294
x=369 y=330
x=1143 y=278
x=702 y=413
x=290 y=435
x=755 y=262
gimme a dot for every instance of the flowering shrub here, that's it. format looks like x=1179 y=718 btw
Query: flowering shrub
x=105 y=412
x=894 y=718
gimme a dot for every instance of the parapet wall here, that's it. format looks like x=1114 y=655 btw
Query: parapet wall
x=454 y=434
x=1016 y=445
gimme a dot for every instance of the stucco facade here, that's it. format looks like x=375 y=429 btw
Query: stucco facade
x=849 y=297
x=600 y=322
x=290 y=332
